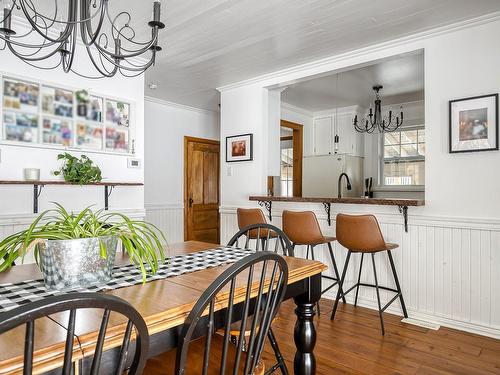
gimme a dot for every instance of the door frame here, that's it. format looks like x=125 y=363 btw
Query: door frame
x=188 y=139
x=298 y=153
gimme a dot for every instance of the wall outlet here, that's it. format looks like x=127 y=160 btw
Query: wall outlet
x=134 y=163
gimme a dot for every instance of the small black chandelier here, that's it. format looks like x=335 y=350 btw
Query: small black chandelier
x=110 y=42
x=374 y=122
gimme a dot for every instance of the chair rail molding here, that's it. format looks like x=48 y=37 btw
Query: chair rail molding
x=449 y=267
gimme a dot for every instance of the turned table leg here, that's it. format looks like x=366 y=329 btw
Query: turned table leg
x=305 y=332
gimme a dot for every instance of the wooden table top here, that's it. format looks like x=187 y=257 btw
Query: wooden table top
x=163 y=304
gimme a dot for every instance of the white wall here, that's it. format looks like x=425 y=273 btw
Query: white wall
x=166 y=126
x=18 y=200
x=454 y=241
x=302 y=117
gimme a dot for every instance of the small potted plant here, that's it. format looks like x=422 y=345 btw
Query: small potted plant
x=82 y=100
x=78 y=250
x=78 y=170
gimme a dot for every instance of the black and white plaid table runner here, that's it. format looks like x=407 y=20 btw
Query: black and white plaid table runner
x=14 y=295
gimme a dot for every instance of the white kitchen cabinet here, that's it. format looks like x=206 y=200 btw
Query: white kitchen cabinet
x=335 y=134
x=323 y=136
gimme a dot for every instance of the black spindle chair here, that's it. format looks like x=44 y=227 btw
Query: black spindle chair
x=264 y=276
x=259 y=237
x=28 y=314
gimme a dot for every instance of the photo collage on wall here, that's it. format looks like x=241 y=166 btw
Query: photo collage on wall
x=42 y=114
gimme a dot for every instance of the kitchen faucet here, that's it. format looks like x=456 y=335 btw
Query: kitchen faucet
x=349 y=187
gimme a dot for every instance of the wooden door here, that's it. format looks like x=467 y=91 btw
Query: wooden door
x=298 y=153
x=201 y=196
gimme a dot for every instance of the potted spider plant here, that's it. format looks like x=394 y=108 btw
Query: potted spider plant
x=78 y=250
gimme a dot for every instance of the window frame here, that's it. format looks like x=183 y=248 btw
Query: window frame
x=382 y=159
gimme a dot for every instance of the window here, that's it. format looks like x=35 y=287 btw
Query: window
x=403 y=160
x=286 y=176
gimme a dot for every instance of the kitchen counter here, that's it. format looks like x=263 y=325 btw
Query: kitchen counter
x=403 y=204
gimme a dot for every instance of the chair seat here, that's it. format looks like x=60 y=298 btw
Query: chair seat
x=316 y=241
x=388 y=246
x=262 y=234
x=164 y=364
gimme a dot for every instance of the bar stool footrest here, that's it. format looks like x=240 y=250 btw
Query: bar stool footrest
x=390 y=302
x=373 y=286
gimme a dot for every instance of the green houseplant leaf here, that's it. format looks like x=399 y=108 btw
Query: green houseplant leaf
x=142 y=241
x=78 y=171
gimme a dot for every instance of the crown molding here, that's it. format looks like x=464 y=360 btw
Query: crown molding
x=296 y=109
x=325 y=62
x=178 y=106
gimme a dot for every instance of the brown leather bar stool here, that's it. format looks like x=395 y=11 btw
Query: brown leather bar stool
x=250 y=216
x=302 y=228
x=362 y=234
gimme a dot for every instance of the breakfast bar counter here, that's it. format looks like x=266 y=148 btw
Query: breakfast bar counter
x=402 y=204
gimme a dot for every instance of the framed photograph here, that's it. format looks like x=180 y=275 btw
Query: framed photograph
x=116 y=139
x=117 y=113
x=20 y=95
x=239 y=148
x=474 y=124
x=20 y=127
x=89 y=136
x=57 y=102
x=57 y=132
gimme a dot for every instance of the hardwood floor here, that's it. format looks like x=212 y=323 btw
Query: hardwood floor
x=352 y=344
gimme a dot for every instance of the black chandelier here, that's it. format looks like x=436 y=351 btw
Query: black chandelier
x=110 y=41
x=374 y=121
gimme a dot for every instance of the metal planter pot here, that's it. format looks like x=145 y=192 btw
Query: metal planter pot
x=75 y=264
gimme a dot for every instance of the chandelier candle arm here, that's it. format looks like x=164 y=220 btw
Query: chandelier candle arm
x=59 y=37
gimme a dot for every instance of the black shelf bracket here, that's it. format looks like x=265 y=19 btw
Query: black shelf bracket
x=268 y=206
x=328 y=207
x=37 y=190
x=404 y=211
x=107 y=193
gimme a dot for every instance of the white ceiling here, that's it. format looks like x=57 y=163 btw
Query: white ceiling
x=210 y=43
x=402 y=78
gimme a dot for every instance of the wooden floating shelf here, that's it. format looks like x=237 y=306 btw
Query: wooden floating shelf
x=402 y=204
x=39 y=184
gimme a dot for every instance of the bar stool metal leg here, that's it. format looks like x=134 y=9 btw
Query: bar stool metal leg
x=398 y=287
x=341 y=283
x=359 y=279
x=378 y=295
x=335 y=269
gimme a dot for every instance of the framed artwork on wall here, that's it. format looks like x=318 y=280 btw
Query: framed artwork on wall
x=239 y=148
x=474 y=124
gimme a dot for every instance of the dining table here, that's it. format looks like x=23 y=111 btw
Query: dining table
x=164 y=305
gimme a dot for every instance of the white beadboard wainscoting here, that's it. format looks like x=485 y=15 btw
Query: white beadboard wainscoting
x=12 y=223
x=449 y=268
x=169 y=218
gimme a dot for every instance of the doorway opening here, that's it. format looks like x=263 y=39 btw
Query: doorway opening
x=291 y=145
